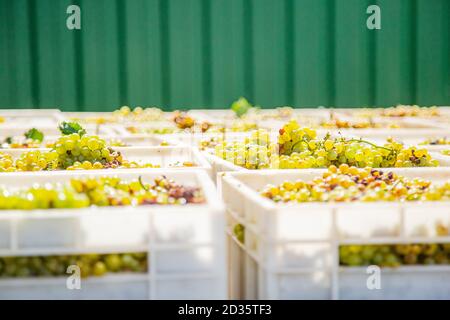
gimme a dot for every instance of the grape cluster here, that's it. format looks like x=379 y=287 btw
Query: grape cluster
x=103 y=191
x=410 y=111
x=15 y=143
x=436 y=141
x=254 y=153
x=182 y=120
x=446 y=152
x=89 y=264
x=299 y=148
x=348 y=184
x=336 y=123
x=138 y=114
x=162 y=130
x=74 y=151
x=394 y=255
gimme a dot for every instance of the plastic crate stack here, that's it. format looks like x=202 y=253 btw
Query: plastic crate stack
x=296 y=250
x=169 y=245
x=237 y=243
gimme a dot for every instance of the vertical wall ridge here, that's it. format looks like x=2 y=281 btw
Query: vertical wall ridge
x=414 y=25
x=33 y=39
x=289 y=10
x=248 y=49
x=373 y=39
x=331 y=64
x=121 y=48
x=206 y=49
x=165 y=52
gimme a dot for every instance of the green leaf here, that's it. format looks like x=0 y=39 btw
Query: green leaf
x=34 y=134
x=8 y=140
x=67 y=128
x=241 y=106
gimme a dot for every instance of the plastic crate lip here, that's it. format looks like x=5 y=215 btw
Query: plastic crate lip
x=20 y=252
x=401 y=269
x=399 y=239
x=107 y=278
x=157 y=247
x=58 y=213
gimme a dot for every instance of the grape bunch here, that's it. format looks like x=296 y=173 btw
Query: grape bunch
x=446 y=152
x=336 y=123
x=394 y=255
x=254 y=153
x=103 y=191
x=89 y=264
x=410 y=111
x=349 y=184
x=74 y=150
x=182 y=120
x=138 y=114
x=436 y=141
x=31 y=139
x=86 y=152
x=299 y=148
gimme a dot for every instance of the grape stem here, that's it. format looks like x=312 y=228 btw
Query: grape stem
x=370 y=143
x=142 y=184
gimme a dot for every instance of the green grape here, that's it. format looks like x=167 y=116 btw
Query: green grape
x=347 y=184
x=295 y=144
x=239 y=232
x=102 y=191
x=393 y=255
x=90 y=265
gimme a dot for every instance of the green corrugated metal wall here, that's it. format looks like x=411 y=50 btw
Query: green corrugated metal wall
x=206 y=53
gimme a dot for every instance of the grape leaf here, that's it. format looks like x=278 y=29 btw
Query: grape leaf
x=241 y=106
x=34 y=134
x=67 y=128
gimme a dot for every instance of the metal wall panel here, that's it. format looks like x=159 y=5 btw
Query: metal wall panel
x=206 y=53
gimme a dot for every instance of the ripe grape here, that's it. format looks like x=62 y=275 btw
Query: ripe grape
x=90 y=265
x=104 y=191
x=347 y=184
x=393 y=255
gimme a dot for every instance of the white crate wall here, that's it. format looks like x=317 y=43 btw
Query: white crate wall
x=291 y=250
x=31 y=117
x=170 y=234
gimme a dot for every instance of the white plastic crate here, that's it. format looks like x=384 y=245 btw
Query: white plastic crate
x=30 y=117
x=164 y=156
x=442 y=158
x=169 y=234
x=291 y=250
x=12 y=129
